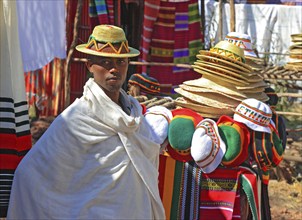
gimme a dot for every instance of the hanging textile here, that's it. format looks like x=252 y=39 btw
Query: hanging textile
x=15 y=138
x=42 y=32
x=172 y=34
x=44 y=89
x=188 y=193
x=101 y=12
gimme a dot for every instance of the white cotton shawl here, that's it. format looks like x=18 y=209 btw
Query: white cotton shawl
x=94 y=162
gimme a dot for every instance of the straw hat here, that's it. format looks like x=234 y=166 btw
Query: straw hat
x=261 y=96
x=231 y=68
x=217 y=76
x=227 y=51
x=206 y=83
x=244 y=42
x=296 y=37
x=208 y=92
x=204 y=110
x=220 y=69
x=215 y=100
x=108 y=41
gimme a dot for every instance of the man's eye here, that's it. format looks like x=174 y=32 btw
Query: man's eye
x=105 y=62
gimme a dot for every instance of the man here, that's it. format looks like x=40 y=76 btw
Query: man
x=97 y=160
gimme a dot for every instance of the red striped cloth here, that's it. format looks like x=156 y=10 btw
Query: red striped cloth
x=187 y=193
x=15 y=137
x=176 y=38
x=151 y=9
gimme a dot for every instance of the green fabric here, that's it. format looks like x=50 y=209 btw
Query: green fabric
x=232 y=140
x=180 y=133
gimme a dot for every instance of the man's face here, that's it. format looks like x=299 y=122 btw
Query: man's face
x=109 y=73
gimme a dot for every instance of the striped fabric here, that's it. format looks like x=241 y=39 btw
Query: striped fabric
x=188 y=193
x=176 y=38
x=151 y=9
x=44 y=89
x=101 y=12
x=15 y=138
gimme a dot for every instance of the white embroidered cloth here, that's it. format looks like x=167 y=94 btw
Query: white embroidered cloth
x=94 y=162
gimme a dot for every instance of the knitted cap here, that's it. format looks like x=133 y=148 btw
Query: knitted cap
x=181 y=129
x=207 y=148
x=146 y=83
x=236 y=137
x=158 y=118
x=254 y=114
x=267 y=149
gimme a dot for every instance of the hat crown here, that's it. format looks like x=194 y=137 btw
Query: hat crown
x=255 y=114
x=230 y=50
x=243 y=41
x=109 y=33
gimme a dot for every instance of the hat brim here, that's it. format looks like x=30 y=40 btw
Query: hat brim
x=206 y=83
x=216 y=76
x=202 y=109
x=253 y=64
x=132 y=53
x=207 y=91
x=229 y=60
x=199 y=98
x=221 y=69
x=251 y=125
x=226 y=67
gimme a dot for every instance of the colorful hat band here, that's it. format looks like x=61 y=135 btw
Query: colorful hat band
x=240 y=42
x=253 y=115
x=107 y=47
x=215 y=145
x=228 y=54
x=146 y=84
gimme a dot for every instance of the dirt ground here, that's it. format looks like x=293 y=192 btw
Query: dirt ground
x=285 y=189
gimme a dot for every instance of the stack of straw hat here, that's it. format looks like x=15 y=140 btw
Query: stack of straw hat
x=295 y=53
x=226 y=81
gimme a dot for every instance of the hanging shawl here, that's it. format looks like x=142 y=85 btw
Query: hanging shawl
x=94 y=162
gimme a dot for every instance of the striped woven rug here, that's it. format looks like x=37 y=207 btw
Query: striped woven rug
x=188 y=193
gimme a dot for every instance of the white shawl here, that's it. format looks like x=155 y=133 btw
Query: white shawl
x=94 y=162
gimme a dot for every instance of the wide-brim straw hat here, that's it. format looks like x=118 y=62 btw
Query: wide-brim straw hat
x=254 y=63
x=215 y=100
x=254 y=78
x=234 y=70
x=208 y=91
x=206 y=83
x=205 y=56
x=229 y=52
x=219 y=77
x=108 y=41
x=255 y=87
x=220 y=70
x=296 y=37
x=204 y=110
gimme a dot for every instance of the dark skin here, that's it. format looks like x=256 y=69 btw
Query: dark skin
x=109 y=73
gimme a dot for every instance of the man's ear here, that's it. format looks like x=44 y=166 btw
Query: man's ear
x=88 y=65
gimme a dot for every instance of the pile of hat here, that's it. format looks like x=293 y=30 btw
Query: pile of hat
x=227 y=78
x=295 y=53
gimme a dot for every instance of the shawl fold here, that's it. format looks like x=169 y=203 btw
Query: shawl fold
x=103 y=153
